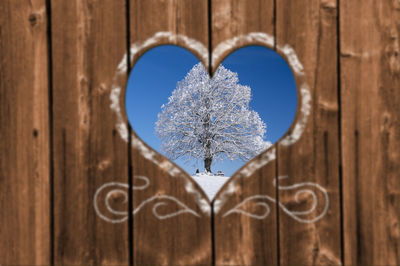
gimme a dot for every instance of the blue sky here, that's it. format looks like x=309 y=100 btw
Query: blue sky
x=155 y=74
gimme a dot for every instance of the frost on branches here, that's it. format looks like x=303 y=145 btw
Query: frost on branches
x=210 y=119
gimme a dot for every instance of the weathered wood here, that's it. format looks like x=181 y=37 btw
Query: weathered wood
x=232 y=18
x=310 y=27
x=370 y=101
x=180 y=17
x=183 y=239
x=241 y=239
x=24 y=134
x=89 y=40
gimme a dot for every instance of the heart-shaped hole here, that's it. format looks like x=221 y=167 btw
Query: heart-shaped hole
x=211 y=126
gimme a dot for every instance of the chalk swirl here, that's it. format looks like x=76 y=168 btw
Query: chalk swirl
x=304 y=188
x=115 y=189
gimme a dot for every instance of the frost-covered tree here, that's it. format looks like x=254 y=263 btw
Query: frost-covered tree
x=210 y=119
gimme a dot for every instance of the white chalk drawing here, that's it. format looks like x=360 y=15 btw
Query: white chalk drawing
x=259 y=200
x=121 y=189
x=218 y=52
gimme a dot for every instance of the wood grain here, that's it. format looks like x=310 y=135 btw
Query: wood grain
x=370 y=87
x=240 y=239
x=55 y=84
x=24 y=134
x=232 y=18
x=310 y=28
x=183 y=239
x=89 y=40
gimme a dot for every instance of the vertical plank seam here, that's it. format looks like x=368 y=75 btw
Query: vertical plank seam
x=210 y=69
x=278 y=244
x=359 y=239
x=213 y=263
x=339 y=99
x=274 y=22
x=130 y=166
x=50 y=110
x=130 y=197
x=209 y=10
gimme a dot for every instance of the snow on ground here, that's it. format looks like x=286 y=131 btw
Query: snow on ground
x=210 y=183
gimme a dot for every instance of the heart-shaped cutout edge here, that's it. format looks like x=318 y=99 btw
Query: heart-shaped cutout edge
x=220 y=52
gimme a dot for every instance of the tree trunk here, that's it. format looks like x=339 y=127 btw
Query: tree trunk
x=207 y=164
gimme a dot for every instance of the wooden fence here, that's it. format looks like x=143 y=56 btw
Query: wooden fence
x=78 y=187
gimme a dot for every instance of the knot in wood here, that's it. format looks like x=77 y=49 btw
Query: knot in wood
x=32 y=19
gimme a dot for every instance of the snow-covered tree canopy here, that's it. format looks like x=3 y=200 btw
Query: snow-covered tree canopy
x=210 y=119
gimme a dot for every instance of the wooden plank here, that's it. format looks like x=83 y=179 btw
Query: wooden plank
x=232 y=18
x=182 y=239
x=24 y=134
x=89 y=41
x=241 y=239
x=184 y=18
x=370 y=96
x=310 y=28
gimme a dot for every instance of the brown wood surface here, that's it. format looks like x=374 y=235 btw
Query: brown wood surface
x=59 y=140
x=370 y=101
x=231 y=18
x=24 y=134
x=184 y=239
x=239 y=239
x=88 y=42
x=310 y=28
